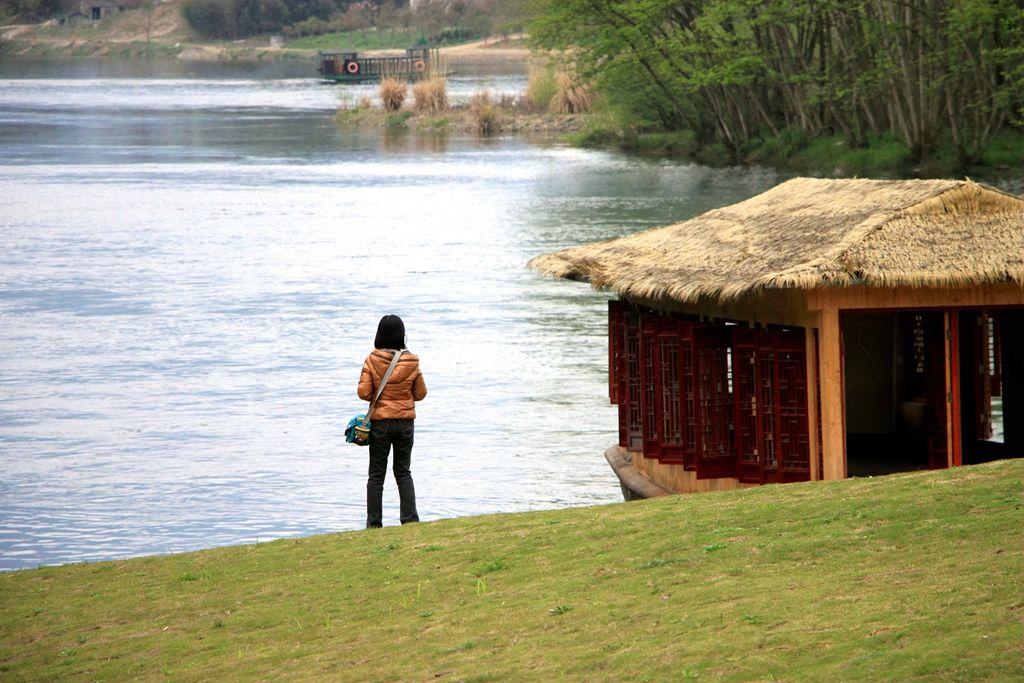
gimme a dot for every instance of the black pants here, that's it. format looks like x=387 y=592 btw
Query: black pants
x=383 y=435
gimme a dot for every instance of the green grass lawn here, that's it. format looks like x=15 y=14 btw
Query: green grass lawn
x=909 y=577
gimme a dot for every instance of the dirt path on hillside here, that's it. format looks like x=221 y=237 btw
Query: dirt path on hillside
x=488 y=51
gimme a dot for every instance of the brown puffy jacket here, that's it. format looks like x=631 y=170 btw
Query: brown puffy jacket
x=406 y=386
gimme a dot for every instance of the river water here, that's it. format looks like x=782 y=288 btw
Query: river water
x=193 y=261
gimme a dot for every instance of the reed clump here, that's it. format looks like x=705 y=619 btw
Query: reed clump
x=484 y=113
x=541 y=88
x=431 y=96
x=392 y=94
x=570 y=97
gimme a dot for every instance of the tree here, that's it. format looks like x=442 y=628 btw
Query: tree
x=920 y=69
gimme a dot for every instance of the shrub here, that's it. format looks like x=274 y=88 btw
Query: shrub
x=431 y=96
x=541 y=87
x=392 y=94
x=485 y=113
x=681 y=144
x=211 y=18
x=570 y=97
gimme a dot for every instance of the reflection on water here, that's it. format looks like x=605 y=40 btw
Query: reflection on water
x=192 y=266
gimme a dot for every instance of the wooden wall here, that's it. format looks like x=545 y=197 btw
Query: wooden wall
x=675 y=478
x=819 y=311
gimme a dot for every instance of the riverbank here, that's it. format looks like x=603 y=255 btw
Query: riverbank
x=161 y=31
x=511 y=119
x=829 y=156
x=899 y=577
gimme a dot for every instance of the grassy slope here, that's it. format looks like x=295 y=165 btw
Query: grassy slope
x=912 y=576
x=358 y=40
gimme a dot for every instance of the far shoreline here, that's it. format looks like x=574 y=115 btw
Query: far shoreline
x=49 y=40
x=825 y=156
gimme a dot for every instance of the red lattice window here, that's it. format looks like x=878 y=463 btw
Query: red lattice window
x=768 y=408
x=747 y=387
x=631 y=426
x=716 y=454
x=723 y=401
x=770 y=376
x=791 y=426
x=671 y=396
x=651 y=390
x=616 y=352
x=688 y=367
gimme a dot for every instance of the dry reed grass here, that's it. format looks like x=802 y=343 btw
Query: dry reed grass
x=392 y=94
x=570 y=97
x=431 y=96
x=484 y=113
x=364 y=102
x=509 y=101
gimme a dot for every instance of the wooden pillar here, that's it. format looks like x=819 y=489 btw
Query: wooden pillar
x=953 y=425
x=833 y=413
x=813 y=436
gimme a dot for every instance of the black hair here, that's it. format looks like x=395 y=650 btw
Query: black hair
x=390 y=333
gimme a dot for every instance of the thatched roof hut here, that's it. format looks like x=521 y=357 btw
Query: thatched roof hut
x=821 y=323
x=809 y=233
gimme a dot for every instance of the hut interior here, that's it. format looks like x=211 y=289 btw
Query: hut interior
x=898 y=405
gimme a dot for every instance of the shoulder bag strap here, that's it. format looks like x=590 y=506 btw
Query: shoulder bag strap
x=384 y=381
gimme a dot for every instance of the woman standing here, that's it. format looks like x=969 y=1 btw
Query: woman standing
x=391 y=423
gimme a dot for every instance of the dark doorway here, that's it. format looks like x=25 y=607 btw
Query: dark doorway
x=990 y=384
x=895 y=391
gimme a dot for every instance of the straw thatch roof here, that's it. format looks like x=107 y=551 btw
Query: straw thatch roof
x=808 y=233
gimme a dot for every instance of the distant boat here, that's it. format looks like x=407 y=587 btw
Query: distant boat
x=348 y=67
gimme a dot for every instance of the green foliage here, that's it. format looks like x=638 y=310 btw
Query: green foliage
x=227 y=19
x=398 y=120
x=777 y=149
x=488 y=567
x=31 y=10
x=612 y=124
x=433 y=23
x=1006 y=150
x=729 y=69
x=715 y=154
x=676 y=144
x=542 y=86
x=885 y=156
x=211 y=18
x=596 y=136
